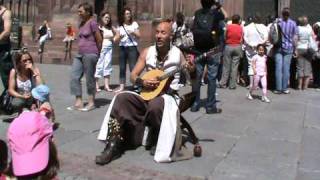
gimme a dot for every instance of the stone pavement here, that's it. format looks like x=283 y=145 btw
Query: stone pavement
x=252 y=140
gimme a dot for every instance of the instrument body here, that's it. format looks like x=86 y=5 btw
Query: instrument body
x=163 y=77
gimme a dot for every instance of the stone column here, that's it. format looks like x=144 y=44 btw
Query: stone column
x=57 y=7
x=66 y=6
x=282 y=4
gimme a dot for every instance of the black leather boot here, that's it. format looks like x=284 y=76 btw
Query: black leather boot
x=114 y=147
x=112 y=151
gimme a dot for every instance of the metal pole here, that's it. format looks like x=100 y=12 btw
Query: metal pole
x=276 y=8
x=33 y=19
x=174 y=8
x=162 y=9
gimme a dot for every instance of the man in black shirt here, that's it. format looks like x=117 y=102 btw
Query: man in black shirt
x=207 y=32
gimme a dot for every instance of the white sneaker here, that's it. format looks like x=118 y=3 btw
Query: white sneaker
x=249 y=96
x=265 y=99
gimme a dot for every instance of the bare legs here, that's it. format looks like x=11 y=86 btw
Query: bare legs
x=106 y=84
x=303 y=83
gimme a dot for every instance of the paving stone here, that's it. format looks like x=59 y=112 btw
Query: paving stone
x=310 y=148
x=254 y=158
x=275 y=129
x=222 y=124
x=253 y=140
x=86 y=145
x=308 y=175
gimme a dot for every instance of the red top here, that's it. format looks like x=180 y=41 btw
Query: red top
x=70 y=31
x=234 y=34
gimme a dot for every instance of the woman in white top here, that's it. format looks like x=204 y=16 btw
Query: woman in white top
x=104 y=64
x=255 y=33
x=304 y=69
x=128 y=34
x=21 y=81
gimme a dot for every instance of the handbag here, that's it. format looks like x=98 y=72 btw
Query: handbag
x=138 y=53
x=6 y=102
x=312 y=46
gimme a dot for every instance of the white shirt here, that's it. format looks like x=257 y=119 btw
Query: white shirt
x=255 y=34
x=125 y=40
x=171 y=63
x=107 y=37
x=304 y=35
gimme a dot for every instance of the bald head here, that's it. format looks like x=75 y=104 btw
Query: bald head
x=163 y=34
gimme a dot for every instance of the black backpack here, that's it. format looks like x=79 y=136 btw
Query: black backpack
x=203 y=26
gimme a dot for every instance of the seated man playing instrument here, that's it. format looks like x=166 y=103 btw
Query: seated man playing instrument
x=129 y=113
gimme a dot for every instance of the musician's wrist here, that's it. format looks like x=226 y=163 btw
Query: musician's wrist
x=138 y=82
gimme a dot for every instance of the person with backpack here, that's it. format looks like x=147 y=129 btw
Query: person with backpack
x=284 y=50
x=206 y=32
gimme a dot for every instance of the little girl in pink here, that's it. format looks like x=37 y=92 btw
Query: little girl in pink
x=260 y=73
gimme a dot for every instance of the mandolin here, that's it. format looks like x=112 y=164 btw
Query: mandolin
x=163 y=77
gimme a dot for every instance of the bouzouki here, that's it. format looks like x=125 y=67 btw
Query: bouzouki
x=163 y=77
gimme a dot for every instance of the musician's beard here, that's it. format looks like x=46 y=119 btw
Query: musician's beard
x=163 y=47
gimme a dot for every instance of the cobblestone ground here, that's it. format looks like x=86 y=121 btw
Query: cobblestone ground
x=75 y=167
x=252 y=140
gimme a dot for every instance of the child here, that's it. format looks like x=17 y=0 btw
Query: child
x=260 y=72
x=69 y=38
x=33 y=153
x=41 y=94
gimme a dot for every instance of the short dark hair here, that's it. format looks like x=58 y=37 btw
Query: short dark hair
x=1 y=2
x=257 y=18
x=207 y=4
x=286 y=11
x=236 y=19
x=179 y=18
x=263 y=46
x=87 y=7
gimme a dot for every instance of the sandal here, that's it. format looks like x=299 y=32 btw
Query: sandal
x=98 y=90
x=87 y=108
x=72 y=108
x=108 y=89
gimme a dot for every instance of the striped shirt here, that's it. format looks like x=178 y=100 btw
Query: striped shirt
x=289 y=31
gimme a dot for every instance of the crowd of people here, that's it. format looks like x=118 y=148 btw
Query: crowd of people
x=215 y=50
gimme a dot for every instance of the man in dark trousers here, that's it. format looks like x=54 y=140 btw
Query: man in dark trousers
x=5 y=58
x=207 y=32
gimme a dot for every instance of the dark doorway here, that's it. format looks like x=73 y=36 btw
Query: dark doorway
x=263 y=8
x=308 y=8
x=120 y=7
x=99 y=6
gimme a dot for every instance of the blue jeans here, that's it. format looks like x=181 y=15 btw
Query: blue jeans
x=212 y=64
x=283 y=62
x=129 y=54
